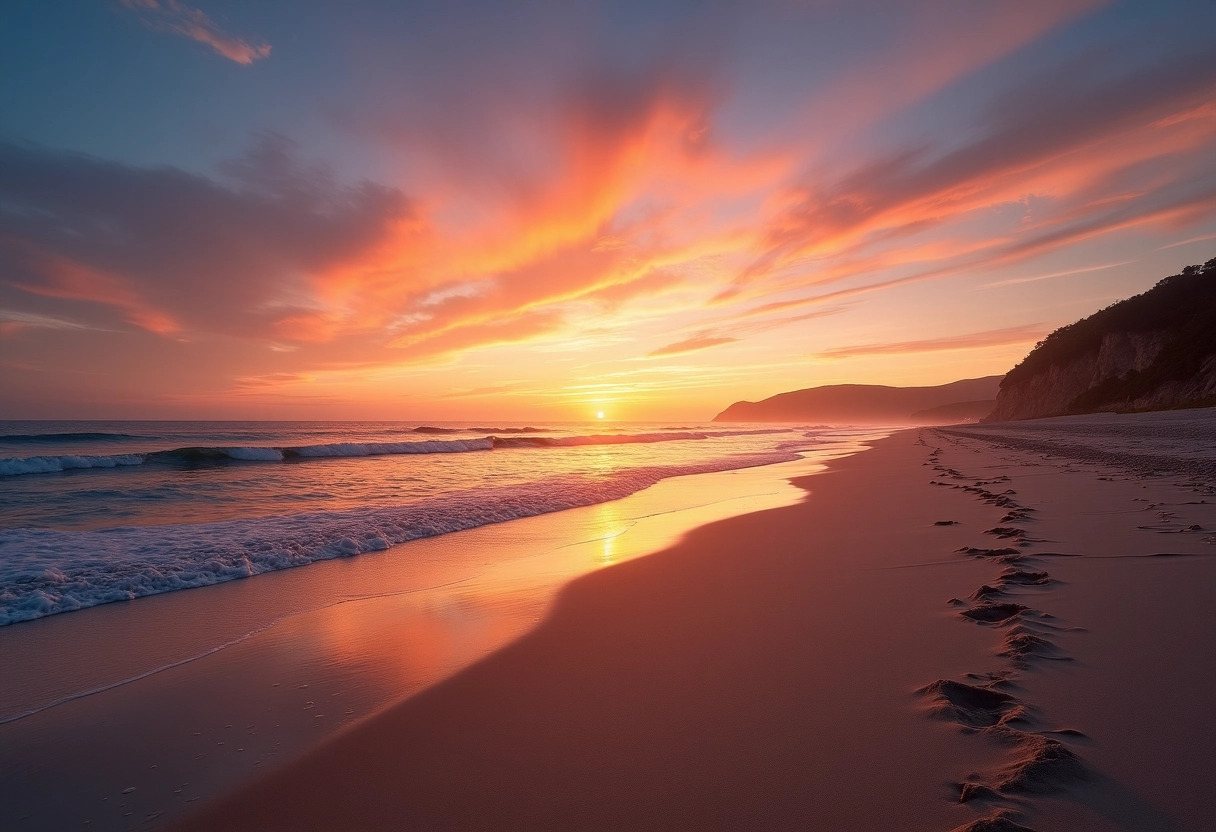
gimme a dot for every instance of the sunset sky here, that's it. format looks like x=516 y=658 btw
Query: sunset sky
x=541 y=210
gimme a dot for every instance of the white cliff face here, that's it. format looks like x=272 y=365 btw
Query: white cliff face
x=1195 y=391
x=1051 y=392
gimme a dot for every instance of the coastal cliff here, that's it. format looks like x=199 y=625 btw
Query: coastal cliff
x=1154 y=351
x=872 y=404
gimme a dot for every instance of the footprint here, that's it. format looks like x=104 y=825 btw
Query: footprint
x=994 y=612
x=1022 y=577
x=1041 y=764
x=969 y=705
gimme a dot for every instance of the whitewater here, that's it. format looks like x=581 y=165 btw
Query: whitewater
x=96 y=512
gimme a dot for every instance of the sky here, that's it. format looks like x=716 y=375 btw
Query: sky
x=543 y=210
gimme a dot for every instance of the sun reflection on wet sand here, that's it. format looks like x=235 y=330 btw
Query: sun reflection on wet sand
x=378 y=650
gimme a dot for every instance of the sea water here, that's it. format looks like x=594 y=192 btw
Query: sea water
x=94 y=512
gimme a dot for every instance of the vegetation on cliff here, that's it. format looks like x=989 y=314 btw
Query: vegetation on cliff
x=1180 y=308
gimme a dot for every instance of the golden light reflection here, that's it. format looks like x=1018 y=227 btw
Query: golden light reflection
x=610 y=524
x=608 y=556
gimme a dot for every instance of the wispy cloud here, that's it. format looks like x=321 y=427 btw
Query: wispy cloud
x=1092 y=141
x=973 y=340
x=188 y=21
x=13 y=321
x=702 y=342
x=491 y=390
x=61 y=277
x=1066 y=273
x=270 y=380
x=1187 y=242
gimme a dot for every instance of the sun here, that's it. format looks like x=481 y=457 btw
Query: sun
x=599 y=414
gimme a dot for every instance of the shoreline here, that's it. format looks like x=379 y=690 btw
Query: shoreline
x=631 y=704
x=788 y=658
x=186 y=695
x=322 y=508
x=815 y=666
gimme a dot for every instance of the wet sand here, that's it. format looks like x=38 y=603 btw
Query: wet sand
x=959 y=629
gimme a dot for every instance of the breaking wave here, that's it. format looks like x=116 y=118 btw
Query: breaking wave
x=47 y=571
x=194 y=456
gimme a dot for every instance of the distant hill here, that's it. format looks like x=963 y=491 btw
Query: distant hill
x=1153 y=351
x=864 y=403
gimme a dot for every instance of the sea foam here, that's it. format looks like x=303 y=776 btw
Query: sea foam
x=46 y=571
x=194 y=456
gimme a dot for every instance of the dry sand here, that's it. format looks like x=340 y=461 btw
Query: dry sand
x=957 y=629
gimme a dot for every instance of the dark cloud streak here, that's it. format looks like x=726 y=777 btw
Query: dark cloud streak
x=217 y=257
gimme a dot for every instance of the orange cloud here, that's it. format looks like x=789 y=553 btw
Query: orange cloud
x=623 y=203
x=1075 y=146
x=258 y=383
x=1180 y=212
x=56 y=276
x=559 y=227
x=703 y=342
x=509 y=330
x=491 y=390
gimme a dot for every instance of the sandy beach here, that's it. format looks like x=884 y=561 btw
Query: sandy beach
x=136 y=712
x=615 y=416
x=975 y=628
x=950 y=630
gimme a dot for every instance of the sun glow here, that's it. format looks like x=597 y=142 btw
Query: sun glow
x=599 y=414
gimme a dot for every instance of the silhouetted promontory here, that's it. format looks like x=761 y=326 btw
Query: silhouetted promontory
x=871 y=403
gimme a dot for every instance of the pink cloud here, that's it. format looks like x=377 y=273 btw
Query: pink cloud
x=972 y=340
x=620 y=199
x=61 y=277
x=187 y=21
x=1087 y=144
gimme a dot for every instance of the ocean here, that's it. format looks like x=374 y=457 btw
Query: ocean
x=95 y=512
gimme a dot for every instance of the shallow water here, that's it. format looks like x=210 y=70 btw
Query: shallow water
x=93 y=512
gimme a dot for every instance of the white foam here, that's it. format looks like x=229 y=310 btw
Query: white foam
x=255 y=454
x=44 y=571
x=50 y=464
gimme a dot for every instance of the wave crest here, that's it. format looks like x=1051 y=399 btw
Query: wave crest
x=124 y=563
x=52 y=464
x=220 y=455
